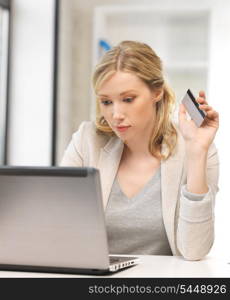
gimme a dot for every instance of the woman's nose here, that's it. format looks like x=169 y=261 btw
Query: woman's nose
x=117 y=112
x=118 y=115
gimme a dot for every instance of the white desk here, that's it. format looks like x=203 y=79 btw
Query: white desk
x=154 y=266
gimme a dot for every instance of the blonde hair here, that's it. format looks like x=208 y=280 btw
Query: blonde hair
x=140 y=59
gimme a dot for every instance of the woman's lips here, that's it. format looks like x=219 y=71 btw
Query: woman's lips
x=122 y=129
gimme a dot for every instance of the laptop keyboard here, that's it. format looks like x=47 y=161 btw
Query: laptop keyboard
x=118 y=259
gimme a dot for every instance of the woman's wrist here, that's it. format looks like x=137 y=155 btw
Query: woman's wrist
x=195 y=150
x=196 y=171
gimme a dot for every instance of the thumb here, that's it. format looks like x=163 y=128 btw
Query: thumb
x=182 y=113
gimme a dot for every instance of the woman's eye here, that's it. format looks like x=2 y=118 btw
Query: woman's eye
x=129 y=99
x=106 y=102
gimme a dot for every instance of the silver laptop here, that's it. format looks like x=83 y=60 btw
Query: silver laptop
x=52 y=220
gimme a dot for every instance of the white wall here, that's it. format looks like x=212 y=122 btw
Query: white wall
x=66 y=66
x=31 y=82
x=4 y=27
x=220 y=99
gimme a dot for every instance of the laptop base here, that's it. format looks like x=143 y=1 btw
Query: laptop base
x=47 y=269
x=61 y=270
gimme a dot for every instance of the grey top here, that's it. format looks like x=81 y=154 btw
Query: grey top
x=135 y=225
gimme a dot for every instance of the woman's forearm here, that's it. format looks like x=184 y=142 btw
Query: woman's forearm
x=196 y=172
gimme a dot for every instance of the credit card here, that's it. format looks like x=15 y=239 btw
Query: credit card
x=192 y=107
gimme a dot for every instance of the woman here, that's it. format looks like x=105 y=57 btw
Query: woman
x=159 y=178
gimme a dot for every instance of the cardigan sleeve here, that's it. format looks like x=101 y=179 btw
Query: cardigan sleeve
x=195 y=227
x=191 y=196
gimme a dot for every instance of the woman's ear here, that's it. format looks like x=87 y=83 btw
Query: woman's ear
x=158 y=94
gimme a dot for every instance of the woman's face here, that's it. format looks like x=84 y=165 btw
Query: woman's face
x=125 y=100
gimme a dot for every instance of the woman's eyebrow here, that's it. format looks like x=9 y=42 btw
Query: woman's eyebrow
x=125 y=92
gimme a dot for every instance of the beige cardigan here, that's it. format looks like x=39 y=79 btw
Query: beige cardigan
x=189 y=224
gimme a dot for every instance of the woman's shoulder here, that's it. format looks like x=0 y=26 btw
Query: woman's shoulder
x=87 y=135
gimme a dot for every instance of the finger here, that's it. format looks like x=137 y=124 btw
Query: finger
x=205 y=107
x=202 y=97
x=201 y=100
x=212 y=114
x=202 y=94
